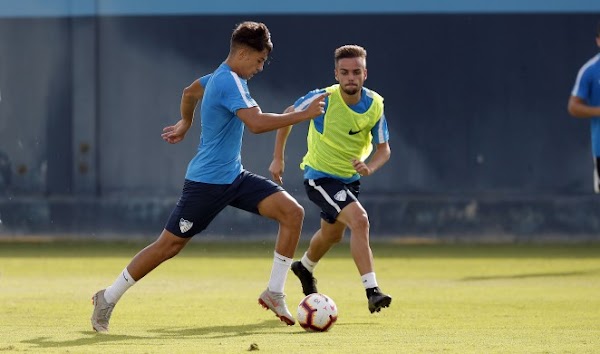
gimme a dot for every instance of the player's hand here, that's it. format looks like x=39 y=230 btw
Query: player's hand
x=276 y=168
x=317 y=106
x=361 y=167
x=173 y=134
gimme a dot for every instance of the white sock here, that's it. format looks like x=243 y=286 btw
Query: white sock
x=281 y=267
x=307 y=263
x=369 y=280
x=124 y=281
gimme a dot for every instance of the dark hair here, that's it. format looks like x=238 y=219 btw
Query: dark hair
x=255 y=35
x=350 y=51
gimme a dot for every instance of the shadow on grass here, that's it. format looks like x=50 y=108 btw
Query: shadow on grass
x=219 y=331
x=535 y=275
x=90 y=338
x=234 y=330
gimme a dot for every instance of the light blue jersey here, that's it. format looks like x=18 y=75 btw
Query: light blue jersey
x=218 y=160
x=379 y=131
x=587 y=87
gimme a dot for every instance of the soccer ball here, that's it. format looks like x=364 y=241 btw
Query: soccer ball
x=317 y=313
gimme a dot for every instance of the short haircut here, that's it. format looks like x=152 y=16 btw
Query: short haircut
x=350 y=51
x=255 y=35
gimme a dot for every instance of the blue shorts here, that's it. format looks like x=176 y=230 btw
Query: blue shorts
x=201 y=202
x=331 y=195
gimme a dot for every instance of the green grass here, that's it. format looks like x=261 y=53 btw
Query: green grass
x=447 y=299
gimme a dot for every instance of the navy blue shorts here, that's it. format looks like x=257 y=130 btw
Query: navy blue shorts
x=200 y=202
x=331 y=195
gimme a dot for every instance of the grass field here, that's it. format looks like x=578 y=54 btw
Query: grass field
x=447 y=299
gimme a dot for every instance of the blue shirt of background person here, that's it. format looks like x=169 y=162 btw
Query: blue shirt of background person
x=379 y=132
x=585 y=103
x=587 y=88
x=218 y=160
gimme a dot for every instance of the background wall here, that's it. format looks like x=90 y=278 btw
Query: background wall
x=482 y=145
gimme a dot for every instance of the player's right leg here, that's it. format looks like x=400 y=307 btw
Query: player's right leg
x=197 y=207
x=324 y=239
x=321 y=242
x=331 y=196
x=166 y=246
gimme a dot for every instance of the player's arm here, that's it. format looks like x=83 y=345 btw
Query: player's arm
x=261 y=122
x=189 y=101
x=379 y=158
x=578 y=108
x=277 y=166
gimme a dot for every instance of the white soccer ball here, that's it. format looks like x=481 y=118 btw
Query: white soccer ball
x=317 y=313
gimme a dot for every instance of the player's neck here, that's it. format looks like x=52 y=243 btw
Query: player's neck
x=351 y=100
x=232 y=62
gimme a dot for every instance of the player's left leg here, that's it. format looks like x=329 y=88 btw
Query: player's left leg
x=357 y=220
x=261 y=196
x=283 y=208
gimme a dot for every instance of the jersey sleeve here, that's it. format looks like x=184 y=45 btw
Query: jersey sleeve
x=380 y=131
x=305 y=100
x=204 y=80
x=583 y=83
x=235 y=93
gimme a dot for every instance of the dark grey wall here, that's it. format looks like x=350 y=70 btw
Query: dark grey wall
x=476 y=106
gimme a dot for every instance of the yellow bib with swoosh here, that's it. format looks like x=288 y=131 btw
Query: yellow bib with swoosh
x=346 y=135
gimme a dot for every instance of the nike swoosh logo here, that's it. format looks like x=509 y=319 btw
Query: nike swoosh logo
x=351 y=132
x=123 y=274
x=274 y=302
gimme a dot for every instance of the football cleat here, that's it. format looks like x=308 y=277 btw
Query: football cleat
x=102 y=312
x=275 y=302
x=309 y=283
x=377 y=299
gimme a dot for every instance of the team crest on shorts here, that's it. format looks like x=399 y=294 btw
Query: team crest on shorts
x=185 y=225
x=340 y=196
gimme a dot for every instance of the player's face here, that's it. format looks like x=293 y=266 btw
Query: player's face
x=253 y=62
x=351 y=73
